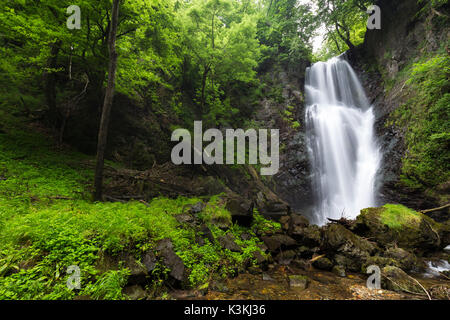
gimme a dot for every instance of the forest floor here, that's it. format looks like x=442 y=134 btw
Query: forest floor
x=49 y=222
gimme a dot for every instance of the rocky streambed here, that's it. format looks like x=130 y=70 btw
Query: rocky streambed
x=293 y=283
x=330 y=262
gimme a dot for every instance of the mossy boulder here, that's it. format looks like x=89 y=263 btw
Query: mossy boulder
x=400 y=225
x=404 y=259
x=349 y=250
x=350 y=263
x=323 y=264
x=278 y=241
x=339 y=271
x=397 y=257
x=379 y=261
x=444 y=233
x=298 y=281
x=285 y=257
x=343 y=240
x=228 y=242
x=396 y=279
x=241 y=210
x=308 y=235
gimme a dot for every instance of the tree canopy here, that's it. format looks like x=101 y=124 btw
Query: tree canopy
x=197 y=59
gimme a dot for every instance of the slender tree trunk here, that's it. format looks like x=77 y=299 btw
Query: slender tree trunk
x=345 y=38
x=107 y=104
x=50 y=83
x=204 y=79
x=337 y=44
x=334 y=40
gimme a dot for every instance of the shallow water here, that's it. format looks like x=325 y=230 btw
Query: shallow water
x=323 y=285
x=435 y=268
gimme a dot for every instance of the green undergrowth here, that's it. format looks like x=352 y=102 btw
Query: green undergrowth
x=424 y=119
x=48 y=223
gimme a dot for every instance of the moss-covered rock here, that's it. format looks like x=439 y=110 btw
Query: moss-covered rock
x=278 y=241
x=404 y=259
x=350 y=263
x=308 y=235
x=400 y=225
x=345 y=241
x=323 y=264
x=444 y=233
x=349 y=250
x=396 y=279
x=336 y=236
x=397 y=257
x=379 y=261
x=298 y=281
x=339 y=271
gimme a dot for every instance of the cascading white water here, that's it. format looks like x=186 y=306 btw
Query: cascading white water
x=342 y=148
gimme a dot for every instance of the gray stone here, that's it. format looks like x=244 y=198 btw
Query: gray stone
x=207 y=233
x=298 y=281
x=134 y=292
x=197 y=208
x=149 y=261
x=323 y=264
x=170 y=259
x=266 y=277
x=241 y=210
x=227 y=242
x=339 y=271
x=277 y=241
x=138 y=273
x=396 y=279
x=184 y=218
x=285 y=257
x=258 y=256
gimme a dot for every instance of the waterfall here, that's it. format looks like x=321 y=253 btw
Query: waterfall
x=342 y=148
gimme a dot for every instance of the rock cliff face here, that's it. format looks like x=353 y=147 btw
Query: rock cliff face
x=283 y=108
x=407 y=33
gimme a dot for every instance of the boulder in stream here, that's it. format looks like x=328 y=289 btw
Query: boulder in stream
x=395 y=279
x=298 y=281
x=400 y=225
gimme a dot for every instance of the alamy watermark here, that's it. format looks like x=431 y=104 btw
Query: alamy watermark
x=192 y=152
x=74 y=281
x=374 y=280
x=374 y=21
x=74 y=20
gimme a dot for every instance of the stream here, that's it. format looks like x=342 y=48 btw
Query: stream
x=323 y=285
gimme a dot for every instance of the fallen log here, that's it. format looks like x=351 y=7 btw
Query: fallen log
x=342 y=221
x=435 y=209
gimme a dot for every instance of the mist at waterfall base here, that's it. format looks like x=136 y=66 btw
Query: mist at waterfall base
x=342 y=148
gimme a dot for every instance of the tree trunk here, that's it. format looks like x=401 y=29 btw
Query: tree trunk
x=204 y=79
x=345 y=38
x=50 y=84
x=334 y=40
x=107 y=104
